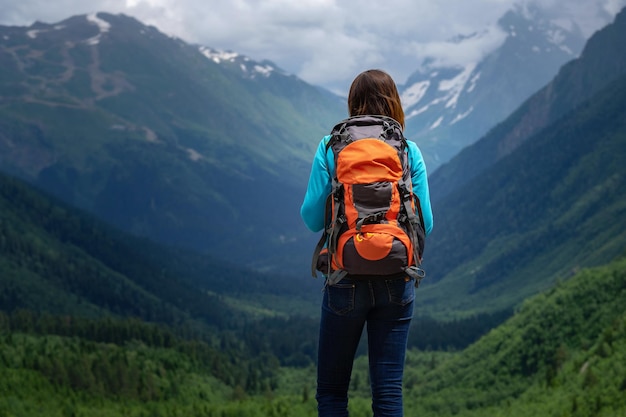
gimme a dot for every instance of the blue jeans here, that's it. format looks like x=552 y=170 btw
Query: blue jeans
x=386 y=305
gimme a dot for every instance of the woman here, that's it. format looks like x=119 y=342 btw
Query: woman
x=367 y=301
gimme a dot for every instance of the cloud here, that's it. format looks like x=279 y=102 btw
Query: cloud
x=471 y=50
x=326 y=42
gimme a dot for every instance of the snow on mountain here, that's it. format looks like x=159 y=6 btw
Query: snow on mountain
x=455 y=86
x=413 y=94
x=249 y=67
x=102 y=24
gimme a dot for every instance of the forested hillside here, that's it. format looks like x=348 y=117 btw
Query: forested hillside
x=562 y=353
x=63 y=261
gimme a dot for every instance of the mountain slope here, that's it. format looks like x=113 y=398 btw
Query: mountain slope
x=563 y=353
x=553 y=205
x=449 y=108
x=602 y=61
x=167 y=140
x=58 y=260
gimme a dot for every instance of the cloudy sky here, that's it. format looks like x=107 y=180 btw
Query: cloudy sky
x=325 y=42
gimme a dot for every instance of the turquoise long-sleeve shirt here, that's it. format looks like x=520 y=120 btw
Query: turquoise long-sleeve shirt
x=320 y=186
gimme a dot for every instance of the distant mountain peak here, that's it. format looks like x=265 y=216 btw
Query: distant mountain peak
x=86 y=28
x=529 y=23
x=90 y=29
x=450 y=106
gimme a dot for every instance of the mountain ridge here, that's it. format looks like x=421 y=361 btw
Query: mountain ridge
x=600 y=62
x=152 y=135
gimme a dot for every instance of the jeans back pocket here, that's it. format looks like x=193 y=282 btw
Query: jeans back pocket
x=401 y=290
x=341 y=297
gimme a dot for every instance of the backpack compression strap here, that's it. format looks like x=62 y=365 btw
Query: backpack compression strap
x=323 y=238
x=411 y=222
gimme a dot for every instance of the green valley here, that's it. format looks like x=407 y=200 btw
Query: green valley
x=561 y=354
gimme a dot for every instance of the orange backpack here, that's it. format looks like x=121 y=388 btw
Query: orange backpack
x=374 y=223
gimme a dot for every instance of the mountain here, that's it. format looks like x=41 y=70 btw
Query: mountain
x=601 y=62
x=182 y=144
x=547 y=205
x=171 y=141
x=451 y=107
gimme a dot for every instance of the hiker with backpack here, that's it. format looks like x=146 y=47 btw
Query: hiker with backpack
x=368 y=193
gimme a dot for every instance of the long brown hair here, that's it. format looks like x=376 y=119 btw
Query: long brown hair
x=374 y=92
